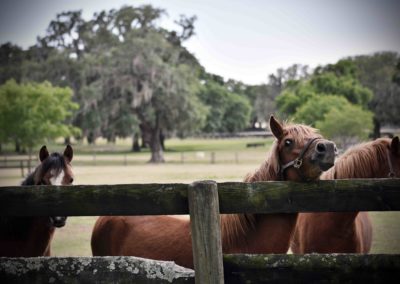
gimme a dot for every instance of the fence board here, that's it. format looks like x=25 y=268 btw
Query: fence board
x=159 y=199
x=91 y=270
x=206 y=232
x=312 y=268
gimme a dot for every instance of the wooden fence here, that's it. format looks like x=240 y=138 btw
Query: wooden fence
x=204 y=201
x=25 y=165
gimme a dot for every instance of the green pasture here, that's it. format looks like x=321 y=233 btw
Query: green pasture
x=233 y=160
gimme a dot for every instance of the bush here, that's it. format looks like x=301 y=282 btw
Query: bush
x=346 y=125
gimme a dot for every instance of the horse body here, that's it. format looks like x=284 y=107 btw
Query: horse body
x=347 y=232
x=31 y=236
x=169 y=238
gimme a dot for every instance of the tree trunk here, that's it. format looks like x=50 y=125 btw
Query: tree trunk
x=157 y=153
x=145 y=138
x=29 y=160
x=162 y=139
x=17 y=147
x=135 y=143
x=377 y=129
x=90 y=138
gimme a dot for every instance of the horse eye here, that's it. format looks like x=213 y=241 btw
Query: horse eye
x=288 y=142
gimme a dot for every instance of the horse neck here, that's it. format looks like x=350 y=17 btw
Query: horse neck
x=262 y=233
x=348 y=167
x=31 y=179
x=32 y=234
x=24 y=236
x=364 y=161
x=41 y=234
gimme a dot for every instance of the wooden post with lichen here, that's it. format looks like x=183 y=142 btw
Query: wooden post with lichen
x=206 y=232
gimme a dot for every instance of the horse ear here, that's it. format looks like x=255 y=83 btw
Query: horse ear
x=276 y=127
x=68 y=153
x=43 y=153
x=395 y=146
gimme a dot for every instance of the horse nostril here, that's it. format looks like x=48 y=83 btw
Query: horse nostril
x=321 y=148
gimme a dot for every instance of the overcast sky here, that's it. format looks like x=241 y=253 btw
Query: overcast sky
x=243 y=40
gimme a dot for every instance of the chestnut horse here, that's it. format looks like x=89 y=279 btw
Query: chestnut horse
x=348 y=232
x=31 y=236
x=298 y=154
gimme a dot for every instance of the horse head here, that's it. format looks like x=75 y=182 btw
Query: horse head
x=302 y=153
x=55 y=169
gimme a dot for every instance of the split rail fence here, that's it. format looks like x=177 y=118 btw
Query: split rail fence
x=204 y=201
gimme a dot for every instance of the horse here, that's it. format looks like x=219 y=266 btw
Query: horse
x=348 y=232
x=299 y=153
x=31 y=236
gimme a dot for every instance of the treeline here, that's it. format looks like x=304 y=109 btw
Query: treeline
x=133 y=78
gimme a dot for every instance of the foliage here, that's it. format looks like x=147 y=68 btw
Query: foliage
x=378 y=73
x=328 y=83
x=33 y=112
x=228 y=111
x=11 y=58
x=315 y=109
x=346 y=125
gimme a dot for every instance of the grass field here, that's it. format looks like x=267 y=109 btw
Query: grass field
x=232 y=161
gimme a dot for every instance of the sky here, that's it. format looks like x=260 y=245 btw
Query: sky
x=245 y=40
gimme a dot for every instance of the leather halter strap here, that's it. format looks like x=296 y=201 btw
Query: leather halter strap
x=298 y=162
x=391 y=169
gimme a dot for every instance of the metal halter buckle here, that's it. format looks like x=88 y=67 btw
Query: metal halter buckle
x=297 y=163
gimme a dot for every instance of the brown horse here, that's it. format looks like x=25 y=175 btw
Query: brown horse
x=298 y=154
x=348 y=232
x=31 y=236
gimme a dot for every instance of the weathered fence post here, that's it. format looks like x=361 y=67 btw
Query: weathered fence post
x=212 y=157
x=22 y=168
x=206 y=232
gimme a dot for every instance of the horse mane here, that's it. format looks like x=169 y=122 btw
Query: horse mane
x=235 y=226
x=18 y=227
x=55 y=162
x=360 y=161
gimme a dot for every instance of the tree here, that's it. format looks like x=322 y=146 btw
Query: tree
x=346 y=125
x=228 y=111
x=132 y=73
x=315 y=109
x=32 y=113
x=326 y=82
x=11 y=58
x=377 y=72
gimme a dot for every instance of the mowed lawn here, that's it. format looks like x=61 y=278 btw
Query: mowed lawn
x=187 y=161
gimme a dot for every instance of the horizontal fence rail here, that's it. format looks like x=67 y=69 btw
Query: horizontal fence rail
x=92 y=270
x=241 y=268
x=311 y=268
x=234 y=197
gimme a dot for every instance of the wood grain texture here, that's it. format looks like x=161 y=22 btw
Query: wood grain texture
x=234 y=197
x=206 y=232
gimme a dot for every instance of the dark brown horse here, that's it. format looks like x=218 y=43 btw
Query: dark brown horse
x=31 y=236
x=348 y=232
x=298 y=154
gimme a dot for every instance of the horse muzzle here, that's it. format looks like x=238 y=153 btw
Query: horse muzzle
x=58 y=221
x=324 y=154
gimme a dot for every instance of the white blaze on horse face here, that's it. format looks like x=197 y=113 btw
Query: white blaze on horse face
x=57 y=180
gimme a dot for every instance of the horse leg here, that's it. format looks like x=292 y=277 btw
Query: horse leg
x=364 y=232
